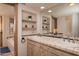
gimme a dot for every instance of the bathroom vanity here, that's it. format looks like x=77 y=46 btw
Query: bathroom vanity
x=49 y=46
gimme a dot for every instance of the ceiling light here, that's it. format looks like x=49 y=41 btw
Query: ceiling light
x=42 y=7
x=71 y=4
x=49 y=11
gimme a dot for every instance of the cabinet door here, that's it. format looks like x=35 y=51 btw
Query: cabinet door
x=59 y=52
x=36 y=50
x=29 y=49
x=43 y=50
x=33 y=48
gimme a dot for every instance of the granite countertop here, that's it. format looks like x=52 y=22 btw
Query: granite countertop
x=57 y=43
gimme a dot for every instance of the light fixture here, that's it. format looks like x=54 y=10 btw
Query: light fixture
x=42 y=7
x=71 y=4
x=49 y=11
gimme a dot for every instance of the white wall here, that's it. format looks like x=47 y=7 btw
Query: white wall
x=75 y=25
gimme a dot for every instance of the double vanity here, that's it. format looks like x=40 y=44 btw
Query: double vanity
x=46 y=45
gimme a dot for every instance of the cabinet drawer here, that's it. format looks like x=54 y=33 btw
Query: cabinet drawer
x=43 y=50
x=29 y=49
x=33 y=42
x=59 y=52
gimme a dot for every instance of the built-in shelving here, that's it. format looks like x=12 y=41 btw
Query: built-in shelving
x=29 y=22
x=45 y=23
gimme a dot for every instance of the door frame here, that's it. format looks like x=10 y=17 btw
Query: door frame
x=1 y=32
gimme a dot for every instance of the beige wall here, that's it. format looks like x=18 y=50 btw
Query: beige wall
x=6 y=10
x=65 y=24
x=69 y=23
x=5 y=28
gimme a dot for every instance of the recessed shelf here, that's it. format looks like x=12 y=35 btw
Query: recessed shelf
x=45 y=29
x=46 y=24
x=28 y=28
x=29 y=21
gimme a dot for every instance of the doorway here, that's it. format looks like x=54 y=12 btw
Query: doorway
x=7 y=35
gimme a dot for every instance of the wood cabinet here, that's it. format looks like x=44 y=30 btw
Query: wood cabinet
x=39 y=49
x=29 y=49
x=58 y=52
x=33 y=48
x=43 y=50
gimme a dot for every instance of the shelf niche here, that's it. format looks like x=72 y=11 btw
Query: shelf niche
x=29 y=21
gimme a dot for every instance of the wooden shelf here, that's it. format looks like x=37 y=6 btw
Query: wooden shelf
x=28 y=21
x=45 y=29
x=46 y=24
x=28 y=28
